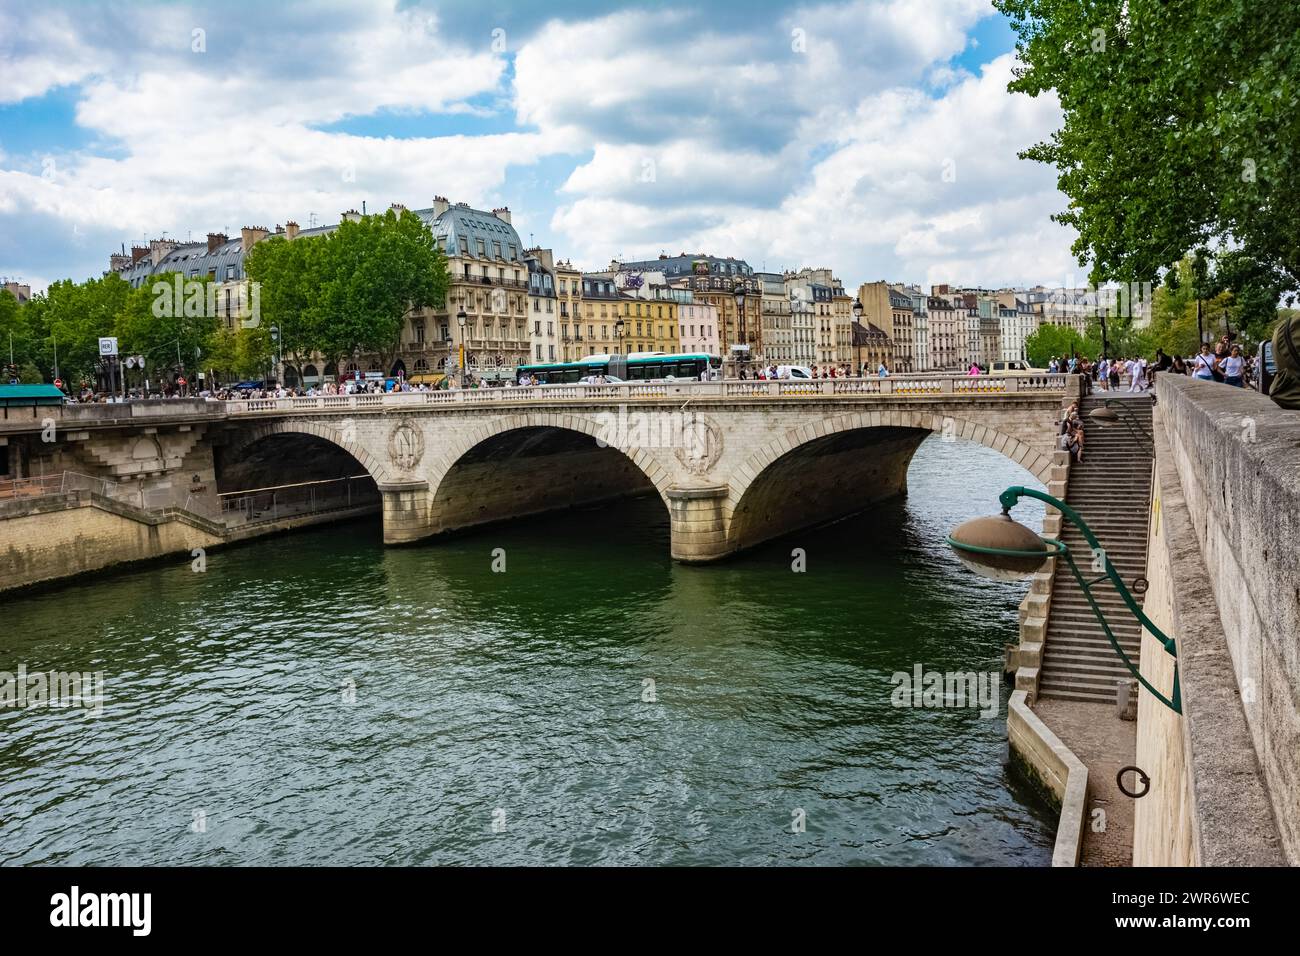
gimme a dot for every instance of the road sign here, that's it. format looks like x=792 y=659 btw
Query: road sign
x=180 y=381
x=130 y=361
x=139 y=361
x=58 y=383
x=108 y=346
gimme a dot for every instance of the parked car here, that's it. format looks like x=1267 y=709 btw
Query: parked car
x=1015 y=368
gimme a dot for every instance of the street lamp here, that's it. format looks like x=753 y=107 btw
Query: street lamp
x=857 y=317
x=619 y=329
x=739 y=293
x=461 y=318
x=1003 y=549
x=279 y=355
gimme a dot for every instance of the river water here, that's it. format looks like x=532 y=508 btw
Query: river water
x=317 y=698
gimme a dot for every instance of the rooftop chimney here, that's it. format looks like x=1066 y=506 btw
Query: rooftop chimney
x=397 y=207
x=159 y=248
x=352 y=216
x=216 y=239
x=503 y=213
x=138 y=253
x=248 y=235
x=440 y=205
x=291 y=229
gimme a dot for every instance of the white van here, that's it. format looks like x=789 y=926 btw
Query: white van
x=1015 y=368
x=798 y=372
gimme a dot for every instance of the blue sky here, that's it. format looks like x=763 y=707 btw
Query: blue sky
x=876 y=138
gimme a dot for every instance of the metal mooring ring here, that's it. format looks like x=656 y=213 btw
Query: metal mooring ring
x=1139 y=586
x=1146 y=782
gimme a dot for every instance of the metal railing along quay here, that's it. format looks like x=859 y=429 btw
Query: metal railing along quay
x=254 y=505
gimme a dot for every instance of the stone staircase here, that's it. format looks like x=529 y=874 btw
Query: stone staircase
x=1111 y=489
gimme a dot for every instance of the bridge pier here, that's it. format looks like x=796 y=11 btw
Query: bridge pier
x=406 y=511
x=697 y=519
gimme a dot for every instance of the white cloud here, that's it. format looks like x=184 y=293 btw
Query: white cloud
x=877 y=205
x=818 y=135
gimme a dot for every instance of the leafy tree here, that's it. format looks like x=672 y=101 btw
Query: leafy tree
x=74 y=316
x=287 y=272
x=1180 y=127
x=1049 y=341
x=372 y=273
x=240 y=353
x=166 y=328
x=351 y=290
x=15 y=332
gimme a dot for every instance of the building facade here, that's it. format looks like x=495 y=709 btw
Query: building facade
x=947 y=334
x=697 y=327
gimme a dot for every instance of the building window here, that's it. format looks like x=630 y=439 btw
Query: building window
x=482 y=247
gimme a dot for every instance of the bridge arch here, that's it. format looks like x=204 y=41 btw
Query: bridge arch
x=342 y=434
x=865 y=452
x=497 y=469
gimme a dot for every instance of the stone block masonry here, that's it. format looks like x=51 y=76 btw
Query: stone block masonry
x=1224 y=570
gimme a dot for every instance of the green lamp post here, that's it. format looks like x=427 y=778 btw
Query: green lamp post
x=1001 y=548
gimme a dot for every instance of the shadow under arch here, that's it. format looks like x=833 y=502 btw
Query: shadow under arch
x=835 y=468
x=523 y=465
x=292 y=473
x=297 y=434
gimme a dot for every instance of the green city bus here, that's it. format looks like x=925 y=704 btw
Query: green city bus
x=637 y=367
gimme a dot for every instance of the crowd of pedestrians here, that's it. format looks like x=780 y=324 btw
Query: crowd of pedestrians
x=1223 y=362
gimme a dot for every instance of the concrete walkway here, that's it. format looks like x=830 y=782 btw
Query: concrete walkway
x=1105 y=744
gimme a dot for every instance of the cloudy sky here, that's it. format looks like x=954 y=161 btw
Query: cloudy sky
x=873 y=137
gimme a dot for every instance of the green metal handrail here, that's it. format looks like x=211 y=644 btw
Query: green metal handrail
x=1008 y=500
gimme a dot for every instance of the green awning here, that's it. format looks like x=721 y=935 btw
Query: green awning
x=30 y=395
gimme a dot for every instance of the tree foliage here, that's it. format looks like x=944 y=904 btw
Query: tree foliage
x=1179 y=130
x=171 y=332
x=1050 y=341
x=72 y=316
x=351 y=290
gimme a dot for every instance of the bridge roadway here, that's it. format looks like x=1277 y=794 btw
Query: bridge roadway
x=736 y=462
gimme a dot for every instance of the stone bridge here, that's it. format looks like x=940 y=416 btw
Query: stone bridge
x=735 y=462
